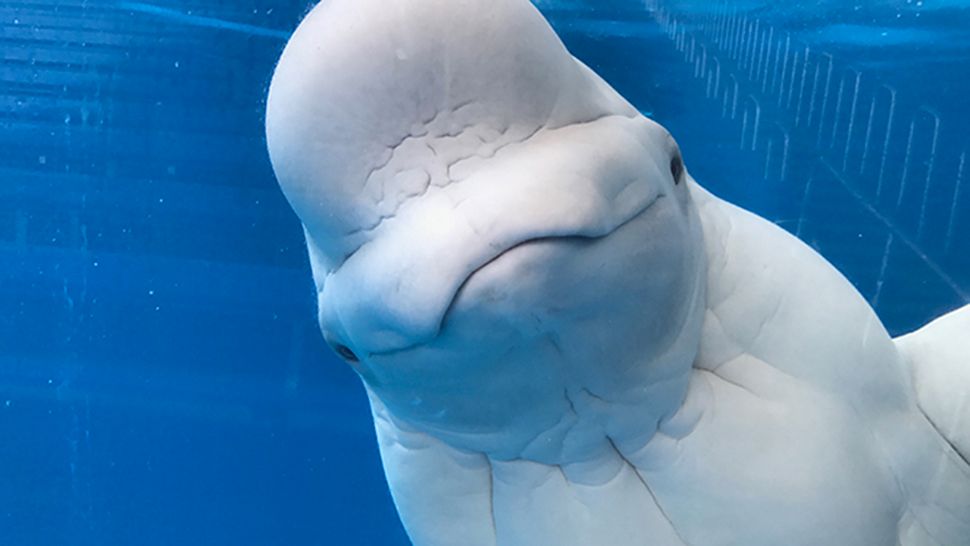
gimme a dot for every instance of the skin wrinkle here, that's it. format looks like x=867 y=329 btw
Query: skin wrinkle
x=677 y=439
x=901 y=488
x=914 y=380
x=491 y=497
x=736 y=348
x=946 y=510
x=646 y=486
x=562 y=419
x=915 y=519
x=725 y=229
x=569 y=400
x=619 y=472
x=383 y=417
x=573 y=409
x=572 y=413
x=398 y=439
x=392 y=150
x=652 y=431
x=965 y=468
x=382 y=218
x=455 y=132
x=376 y=170
x=427 y=174
x=565 y=478
x=595 y=396
x=752 y=355
x=729 y=382
x=664 y=424
x=726 y=362
x=779 y=303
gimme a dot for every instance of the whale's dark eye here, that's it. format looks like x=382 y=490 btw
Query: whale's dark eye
x=345 y=353
x=677 y=168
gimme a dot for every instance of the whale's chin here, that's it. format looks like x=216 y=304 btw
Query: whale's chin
x=604 y=316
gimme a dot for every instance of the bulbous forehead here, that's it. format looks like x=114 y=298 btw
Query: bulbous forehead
x=374 y=101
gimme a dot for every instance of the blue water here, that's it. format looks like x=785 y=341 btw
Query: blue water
x=161 y=379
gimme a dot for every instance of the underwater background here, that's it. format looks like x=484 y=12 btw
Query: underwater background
x=161 y=376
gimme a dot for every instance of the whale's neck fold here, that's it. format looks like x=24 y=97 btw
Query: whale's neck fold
x=442 y=492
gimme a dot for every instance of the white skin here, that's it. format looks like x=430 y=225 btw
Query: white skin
x=565 y=339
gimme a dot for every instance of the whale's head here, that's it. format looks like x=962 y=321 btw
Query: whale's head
x=494 y=232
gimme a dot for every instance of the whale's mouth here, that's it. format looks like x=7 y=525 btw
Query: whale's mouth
x=537 y=240
x=515 y=248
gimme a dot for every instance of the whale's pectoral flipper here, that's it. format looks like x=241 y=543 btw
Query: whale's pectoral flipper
x=940 y=357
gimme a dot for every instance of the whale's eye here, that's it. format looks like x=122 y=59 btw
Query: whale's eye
x=345 y=353
x=677 y=168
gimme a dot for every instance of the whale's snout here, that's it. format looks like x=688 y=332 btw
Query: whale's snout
x=394 y=290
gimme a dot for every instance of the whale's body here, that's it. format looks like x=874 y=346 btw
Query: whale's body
x=565 y=339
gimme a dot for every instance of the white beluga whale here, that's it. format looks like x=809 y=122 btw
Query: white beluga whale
x=565 y=339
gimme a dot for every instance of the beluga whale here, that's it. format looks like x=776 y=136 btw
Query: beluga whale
x=565 y=339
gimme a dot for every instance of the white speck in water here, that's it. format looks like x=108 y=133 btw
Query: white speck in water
x=42 y=160
x=7 y=403
x=151 y=292
x=50 y=381
x=158 y=308
x=161 y=199
x=177 y=64
x=95 y=264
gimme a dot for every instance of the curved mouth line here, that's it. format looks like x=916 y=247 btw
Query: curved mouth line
x=464 y=283
x=534 y=240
